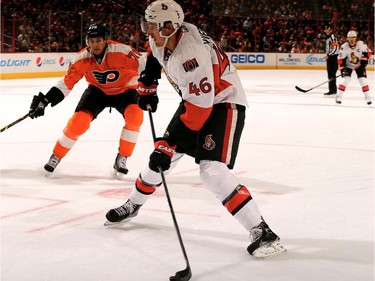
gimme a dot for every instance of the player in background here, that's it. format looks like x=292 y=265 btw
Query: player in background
x=111 y=70
x=332 y=50
x=353 y=55
x=207 y=124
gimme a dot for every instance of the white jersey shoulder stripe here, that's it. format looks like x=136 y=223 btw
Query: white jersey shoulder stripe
x=83 y=54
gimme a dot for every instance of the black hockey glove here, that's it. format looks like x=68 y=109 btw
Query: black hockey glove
x=344 y=72
x=364 y=59
x=364 y=63
x=162 y=155
x=147 y=96
x=38 y=105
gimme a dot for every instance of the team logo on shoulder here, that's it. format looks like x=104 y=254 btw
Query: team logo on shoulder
x=106 y=76
x=209 y=143
x=190 y=65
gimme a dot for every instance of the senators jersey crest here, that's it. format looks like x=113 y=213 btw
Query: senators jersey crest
x=209 y=143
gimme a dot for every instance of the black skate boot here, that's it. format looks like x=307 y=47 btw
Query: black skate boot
x=120 y=166
x=264 y=242
x=122 y=214
x=52 y=163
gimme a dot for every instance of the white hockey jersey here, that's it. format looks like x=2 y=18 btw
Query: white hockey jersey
x=200 y=72
x=352 y=55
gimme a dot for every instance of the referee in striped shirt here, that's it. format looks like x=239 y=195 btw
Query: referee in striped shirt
x=332 y=49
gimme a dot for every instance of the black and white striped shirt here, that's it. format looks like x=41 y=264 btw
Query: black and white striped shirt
x=332 y=45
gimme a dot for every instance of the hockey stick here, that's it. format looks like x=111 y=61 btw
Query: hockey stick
x=305 y=91
x=14 y=122
x=185 y=274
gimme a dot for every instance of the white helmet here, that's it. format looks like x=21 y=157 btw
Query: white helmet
x=162 y=11
x=351 y=33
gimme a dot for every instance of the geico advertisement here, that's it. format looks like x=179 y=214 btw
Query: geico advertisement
x=252 y=59
x=38 y=62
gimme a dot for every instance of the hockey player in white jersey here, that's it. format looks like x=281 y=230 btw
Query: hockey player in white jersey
x=353 y=55
x=207 y=124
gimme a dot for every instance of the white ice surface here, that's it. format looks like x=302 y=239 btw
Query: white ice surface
x=308 y=163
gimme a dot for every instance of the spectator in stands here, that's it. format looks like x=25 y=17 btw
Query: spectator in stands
x=24 y=47
x=38 y=47
x=54 y=47
x=295 y=49
x=287 y=18
x=224 y=41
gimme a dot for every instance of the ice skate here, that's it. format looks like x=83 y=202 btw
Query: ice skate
x=338 y=98
x=368 y=99
x=264 y=242
x=52 y=163
x=122 y=214
x=120 y=167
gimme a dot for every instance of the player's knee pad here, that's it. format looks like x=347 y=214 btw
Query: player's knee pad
x=362 y=81
x=150 y=177
x=208 y=169
x=345 y=81
x=78 y=124
x=216 y=177
x=133 y=116
x=205 y=168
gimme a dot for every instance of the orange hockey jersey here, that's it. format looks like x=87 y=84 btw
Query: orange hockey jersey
x=117 y=72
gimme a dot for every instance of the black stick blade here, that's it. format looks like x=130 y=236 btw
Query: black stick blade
x=301 y=90
x=183 y=275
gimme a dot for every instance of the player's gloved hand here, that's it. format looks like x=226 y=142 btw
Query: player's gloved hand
x=364 y=63
x=344 y=72
x=147 y=96
x=38 y=105
x=162 y=155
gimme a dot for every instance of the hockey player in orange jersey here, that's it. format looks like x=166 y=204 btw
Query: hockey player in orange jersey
x=112 y=71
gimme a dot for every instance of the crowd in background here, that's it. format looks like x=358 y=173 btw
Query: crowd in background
x=238 y=25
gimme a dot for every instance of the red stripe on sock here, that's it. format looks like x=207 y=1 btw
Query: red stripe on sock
x=144 y=188
x=342 y=87
x=238 y=198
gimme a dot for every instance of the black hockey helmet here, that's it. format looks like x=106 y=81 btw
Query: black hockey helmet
x=96 y=30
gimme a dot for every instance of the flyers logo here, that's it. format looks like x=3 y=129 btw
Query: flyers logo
x=190 y=65
x=107 y=76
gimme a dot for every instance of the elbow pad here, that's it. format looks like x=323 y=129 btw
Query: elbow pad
x=54 y=96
